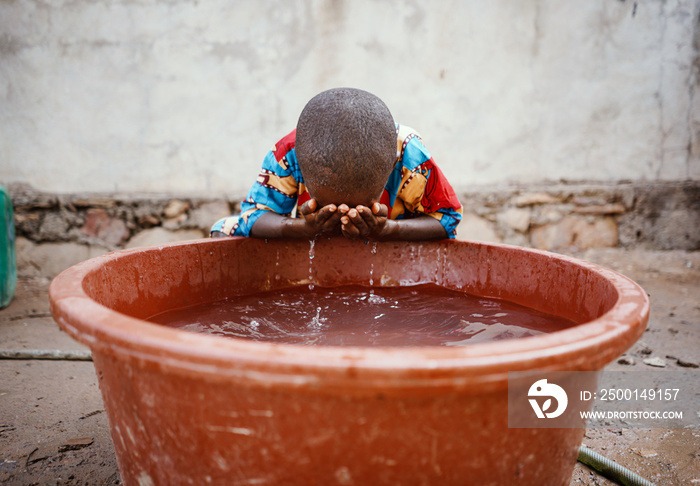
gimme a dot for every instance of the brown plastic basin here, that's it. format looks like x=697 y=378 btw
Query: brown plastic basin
x=186 y=408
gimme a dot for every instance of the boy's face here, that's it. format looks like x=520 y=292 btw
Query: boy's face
x=325 y=196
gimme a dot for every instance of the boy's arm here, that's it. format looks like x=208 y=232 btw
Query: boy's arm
x=422 y=228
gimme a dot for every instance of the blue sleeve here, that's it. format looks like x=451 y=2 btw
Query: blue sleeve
x=275 y=189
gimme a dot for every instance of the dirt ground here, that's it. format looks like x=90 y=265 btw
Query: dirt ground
x=53 y=429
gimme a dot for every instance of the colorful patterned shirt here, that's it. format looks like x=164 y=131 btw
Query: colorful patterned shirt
x=416 y=186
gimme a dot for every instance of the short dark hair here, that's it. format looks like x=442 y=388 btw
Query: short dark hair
x=346 y=142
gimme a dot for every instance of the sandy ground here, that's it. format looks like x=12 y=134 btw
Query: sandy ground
x=53 y=429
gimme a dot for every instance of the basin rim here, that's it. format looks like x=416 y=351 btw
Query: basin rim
x=585 y=347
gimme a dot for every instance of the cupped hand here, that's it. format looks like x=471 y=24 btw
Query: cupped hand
x=363 y=222
x=325 y=220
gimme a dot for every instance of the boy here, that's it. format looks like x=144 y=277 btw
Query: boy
x=347 y=169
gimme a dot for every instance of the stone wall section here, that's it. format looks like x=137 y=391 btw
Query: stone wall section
x=571 y=217
x=55 y=231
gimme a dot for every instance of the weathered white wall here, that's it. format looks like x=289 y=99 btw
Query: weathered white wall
x=187 y=96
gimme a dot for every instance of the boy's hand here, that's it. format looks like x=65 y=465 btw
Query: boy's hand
x=363 y=222
x=320 y=221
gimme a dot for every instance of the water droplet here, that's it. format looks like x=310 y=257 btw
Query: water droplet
x=312 y=254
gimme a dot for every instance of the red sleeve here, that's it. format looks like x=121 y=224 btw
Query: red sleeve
x=438 y=191
x=285 y=145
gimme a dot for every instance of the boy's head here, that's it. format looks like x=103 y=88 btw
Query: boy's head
x=346 y=146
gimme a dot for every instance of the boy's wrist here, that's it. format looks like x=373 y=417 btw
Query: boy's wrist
x=390 y=230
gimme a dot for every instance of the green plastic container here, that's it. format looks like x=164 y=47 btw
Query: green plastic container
x=8 y=264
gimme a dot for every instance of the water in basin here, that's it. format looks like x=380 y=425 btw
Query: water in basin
x=423 y=315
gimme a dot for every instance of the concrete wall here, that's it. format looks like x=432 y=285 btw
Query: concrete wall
x=185 y=97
